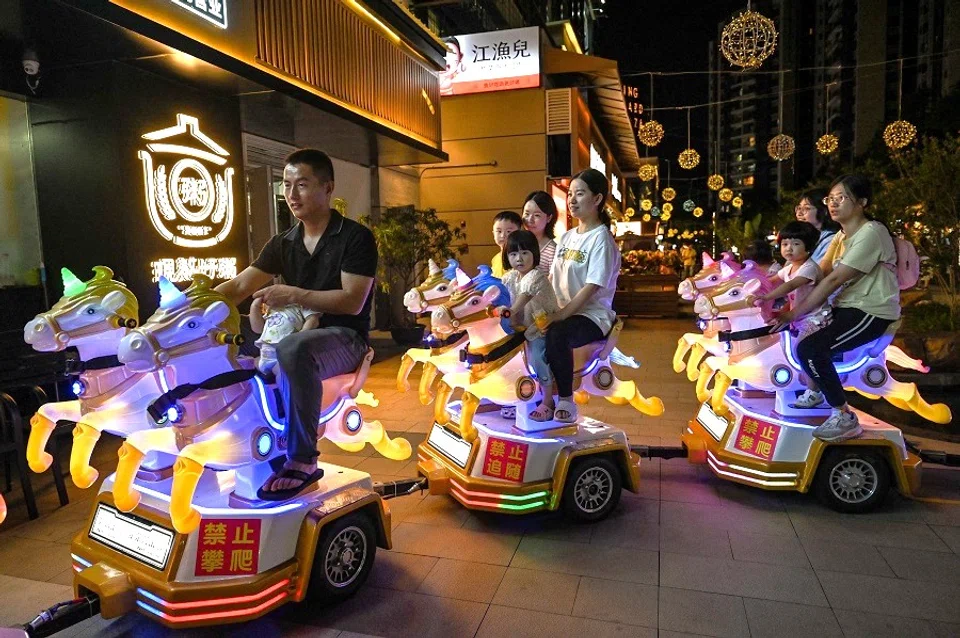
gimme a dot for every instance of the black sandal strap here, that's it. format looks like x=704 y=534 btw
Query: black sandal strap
x=290 y=473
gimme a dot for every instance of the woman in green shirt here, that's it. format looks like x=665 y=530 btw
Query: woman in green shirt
x=860 y=276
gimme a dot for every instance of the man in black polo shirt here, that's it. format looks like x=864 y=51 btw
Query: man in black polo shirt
x=328 y=263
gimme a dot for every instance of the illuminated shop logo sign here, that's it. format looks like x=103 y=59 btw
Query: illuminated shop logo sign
x=214 y=11
x=189 y=187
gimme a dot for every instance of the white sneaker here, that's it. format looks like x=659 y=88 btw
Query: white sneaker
x=809 y=399
x=839 y=427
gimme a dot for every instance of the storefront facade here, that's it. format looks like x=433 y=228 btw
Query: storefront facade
x=159 y=127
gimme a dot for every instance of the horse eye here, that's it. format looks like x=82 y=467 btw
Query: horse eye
x=734 y=293
x=442 y=289
x=91 y=311
x=474 y=302
x=192 y=324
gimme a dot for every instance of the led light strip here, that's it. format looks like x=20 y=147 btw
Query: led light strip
x=234 y=613
x=83 y=562
x=505 y=497
x=463 y=498
x=748 y=470
x=749 y=479
x=214 y=601
x=841 y=369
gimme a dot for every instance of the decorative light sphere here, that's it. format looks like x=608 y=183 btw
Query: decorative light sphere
x=630 y=212
x=647 y=172
x=689 y=158
x=737 y=202
x=781 y=147
x=655 y=211
x=725 y=195
x=698 y=212
x=689 y=205
x=665 y=216
x=668 y=194
x=650 y=133
x=715 y=182
x=646 y=217
x=667 y=208
x=748 y=40
x=827 y=144
x=899 y=134
x=646 y=204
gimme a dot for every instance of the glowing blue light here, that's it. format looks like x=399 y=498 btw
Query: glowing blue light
x=78 y=388
x=264 y=444
x=841 y=368
x=174 y=413
x=354 y=420
x=781 y=376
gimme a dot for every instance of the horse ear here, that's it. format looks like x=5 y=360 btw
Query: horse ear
x=726 y=271
x=216 y=313
x=113 y=301
x=491 y=294
x=753 y=286
x=728 y=256
x=707 y=260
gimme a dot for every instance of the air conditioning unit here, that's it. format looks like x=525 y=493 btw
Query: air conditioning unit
x=560 y=128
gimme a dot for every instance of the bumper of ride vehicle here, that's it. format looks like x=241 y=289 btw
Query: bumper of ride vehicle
x=125 y=584
x=703 y=448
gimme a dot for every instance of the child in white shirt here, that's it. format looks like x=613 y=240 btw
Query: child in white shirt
x=533 y=301
x=800 y=276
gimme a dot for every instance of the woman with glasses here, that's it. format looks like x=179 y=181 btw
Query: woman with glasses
x=860 y=275
x=811 y=209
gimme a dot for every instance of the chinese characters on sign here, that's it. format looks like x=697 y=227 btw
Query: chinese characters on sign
x=493 y=61
x=505 y=459
x=228 y=547
x=184 y=268
x=214 y=11
x=757 y=438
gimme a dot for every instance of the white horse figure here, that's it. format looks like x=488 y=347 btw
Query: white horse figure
x=92 y=316
x=769 y=363
x=224 y=419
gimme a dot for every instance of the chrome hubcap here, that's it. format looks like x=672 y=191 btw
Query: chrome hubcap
x=593 y=489
x=853 y=480
x=345 y=556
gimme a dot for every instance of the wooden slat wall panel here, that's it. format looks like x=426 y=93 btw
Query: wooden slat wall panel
x=326 y=45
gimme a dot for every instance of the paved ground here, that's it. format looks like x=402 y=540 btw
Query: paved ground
x=689 y=555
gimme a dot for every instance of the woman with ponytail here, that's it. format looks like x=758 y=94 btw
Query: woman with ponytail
x=584 y=278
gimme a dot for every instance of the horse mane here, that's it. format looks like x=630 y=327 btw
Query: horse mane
x=450 y=271
x=100 y=285
x=201 y=294
x=485 y=279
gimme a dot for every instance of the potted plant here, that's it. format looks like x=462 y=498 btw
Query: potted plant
x=407 y=237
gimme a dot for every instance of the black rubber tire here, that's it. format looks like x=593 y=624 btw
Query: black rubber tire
x=591 y=469
x=358 y=531
x=870 y=465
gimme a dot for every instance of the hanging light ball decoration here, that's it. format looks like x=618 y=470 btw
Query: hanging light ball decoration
x=828 y=144
x=665 y=217
x=646 y=204
x=646 y=217
x=899 y=134
x=655 y=211
x=650 y=133
x=630 y=212
x=667 y=208
x=668 y=194
x=781 y=147
x=647 y=172
x=715 y=182
x=698 y=212
x=689 y=205
x=737 y=202
x=725 y=194
x=748 y=40
x=689 y=158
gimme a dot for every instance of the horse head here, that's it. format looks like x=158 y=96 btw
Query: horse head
x=186 y=321
x=435 y=289
x=89 y=308
x=473 y=301
x=711 y=275
x=735 y=296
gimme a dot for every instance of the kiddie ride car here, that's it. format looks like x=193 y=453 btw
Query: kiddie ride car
x=483 y=450
x=746 y=430
x=178 y=532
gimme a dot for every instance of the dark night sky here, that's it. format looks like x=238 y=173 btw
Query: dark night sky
x=666 y=35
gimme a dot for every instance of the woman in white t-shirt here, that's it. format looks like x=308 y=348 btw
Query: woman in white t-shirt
x=584 y=278
x=860 y=267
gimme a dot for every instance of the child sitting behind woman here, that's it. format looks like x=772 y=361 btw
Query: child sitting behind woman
x=800 y=275
x=533 y=303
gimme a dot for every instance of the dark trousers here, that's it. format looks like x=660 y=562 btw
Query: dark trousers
x=562 y=338
x=305 y=359
x=848 y=329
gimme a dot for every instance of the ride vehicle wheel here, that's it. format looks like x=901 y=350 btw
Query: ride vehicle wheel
x=344 y=557
x=592 y=488
x=852 y=480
